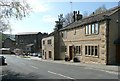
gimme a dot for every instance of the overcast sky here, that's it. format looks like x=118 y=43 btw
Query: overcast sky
x=44 y=14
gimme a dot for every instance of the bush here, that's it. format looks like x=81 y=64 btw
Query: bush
x=76 y=59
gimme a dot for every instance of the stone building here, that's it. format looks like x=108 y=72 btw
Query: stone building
x=48 y=48
x=51 y=44
x=9 y=43
x=30 y=42
x=94 y=39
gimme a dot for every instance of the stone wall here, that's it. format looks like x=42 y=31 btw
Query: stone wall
x=48 y=47
x=77 y=37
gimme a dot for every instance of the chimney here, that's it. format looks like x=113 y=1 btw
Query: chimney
x=74 y=16
x=79 y=16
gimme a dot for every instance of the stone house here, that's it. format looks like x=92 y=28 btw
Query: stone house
x=50 y=48
x=30 y=42
x=94 y=39
x=9 y=43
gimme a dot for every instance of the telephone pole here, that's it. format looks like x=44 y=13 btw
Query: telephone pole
x=71 y=6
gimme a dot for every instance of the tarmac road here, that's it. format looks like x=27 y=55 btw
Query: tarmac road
x=21 y=68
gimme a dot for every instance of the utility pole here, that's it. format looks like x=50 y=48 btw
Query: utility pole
x=71 y=11
x=71 y=6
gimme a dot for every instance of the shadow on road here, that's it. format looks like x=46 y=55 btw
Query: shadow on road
x=3 y=64
x=8 y=75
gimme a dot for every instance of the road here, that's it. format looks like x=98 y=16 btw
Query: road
x=21 y=68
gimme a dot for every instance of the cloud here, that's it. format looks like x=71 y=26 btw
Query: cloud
x=49 y=19
x=38 y=6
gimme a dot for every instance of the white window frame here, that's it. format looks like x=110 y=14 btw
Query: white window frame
x=87 y=54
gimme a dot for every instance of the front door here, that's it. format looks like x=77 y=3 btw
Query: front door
x=118 y=54
x=45 y=56
x=71 y=52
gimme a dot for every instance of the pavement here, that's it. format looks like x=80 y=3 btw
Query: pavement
x=102 y=67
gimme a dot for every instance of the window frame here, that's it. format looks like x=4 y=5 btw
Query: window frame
x=49 y=41
x=43 y=42
x=78 y=50
x=90 y=51
x=89 y=29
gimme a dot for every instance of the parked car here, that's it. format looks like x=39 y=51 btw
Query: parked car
x=31 y=54
x=40 y=55
x=35 y=54
x=2 y=60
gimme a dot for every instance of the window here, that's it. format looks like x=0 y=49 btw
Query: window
x=49 y=41
x=89 y=28
x=88 y=50
x=64 y=34
x=50 y=54
x=91 y=50
x=43 y=42
x=43 y=52
x=86 y=30
x=75 y=32
x=96 y=50
x=92 y=29
x=77 y=50
x=96 y=28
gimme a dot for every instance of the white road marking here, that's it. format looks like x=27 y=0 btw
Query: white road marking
x=111 y=72
x=60 y=75
x=34 y=67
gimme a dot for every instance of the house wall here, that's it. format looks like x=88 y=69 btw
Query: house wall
x=8 y=43
x=48 y=47
x=25 y=39
x=113 y=35
x=77 y=37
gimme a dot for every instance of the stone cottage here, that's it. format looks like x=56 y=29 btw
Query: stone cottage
x=94 y=39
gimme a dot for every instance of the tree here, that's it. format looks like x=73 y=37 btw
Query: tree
x=59 y=23
x=68 y=19
x=12 y=9
x=85 y=14
x=100 y=9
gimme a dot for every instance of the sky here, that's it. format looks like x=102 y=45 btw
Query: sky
x=45 y=13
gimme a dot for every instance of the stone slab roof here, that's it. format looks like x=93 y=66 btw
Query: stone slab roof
x=92 y=18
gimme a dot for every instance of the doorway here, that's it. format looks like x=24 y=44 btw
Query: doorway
x=71 y=52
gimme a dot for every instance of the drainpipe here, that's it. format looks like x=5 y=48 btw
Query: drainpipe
x=107 y=39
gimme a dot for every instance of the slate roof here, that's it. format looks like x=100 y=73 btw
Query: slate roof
x=27 y=33
x=51 y=34
x=92 y=18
